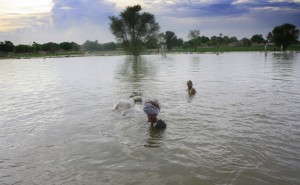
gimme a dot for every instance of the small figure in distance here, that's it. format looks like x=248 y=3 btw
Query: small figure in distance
x=191 y=90
x=152 y=108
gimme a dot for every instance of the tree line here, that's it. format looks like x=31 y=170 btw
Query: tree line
x=51 y=47
x=168 y=38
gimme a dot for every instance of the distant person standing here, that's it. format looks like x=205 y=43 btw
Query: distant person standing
x=191 y=90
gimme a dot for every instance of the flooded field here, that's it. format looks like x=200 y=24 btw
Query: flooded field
x=58 y=124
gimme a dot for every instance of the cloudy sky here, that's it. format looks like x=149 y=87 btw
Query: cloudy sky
x=41 y=21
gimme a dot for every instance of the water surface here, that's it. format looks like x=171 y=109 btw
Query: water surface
x=58 y=124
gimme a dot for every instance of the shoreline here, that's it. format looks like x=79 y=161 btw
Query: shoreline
x=63 y=55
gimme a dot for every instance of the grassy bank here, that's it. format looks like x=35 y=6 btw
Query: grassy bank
x=153 y=51
x=234 y=49
x=62 y=54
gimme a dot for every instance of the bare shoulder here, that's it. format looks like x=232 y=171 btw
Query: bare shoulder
x=192 y=91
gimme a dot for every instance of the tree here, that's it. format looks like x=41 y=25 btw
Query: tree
x=258 y=38
x=36 y=47
x=179 y=42
x=91 y=46
x=214 y=41
x=66 y=46
x=233 y=39
x=109 y=46
x=170 y=39
x=133 y=28
x=204 y=39
x=246 y=42
x=161 y=38
x=195 y=40
x=50 y=47
x=152 y=43
x=23 y=49
x=285 y=35
x=269 y=37
x=7 y=46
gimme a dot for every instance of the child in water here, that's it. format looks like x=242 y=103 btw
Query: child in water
x=152 y=108
x=191 y=90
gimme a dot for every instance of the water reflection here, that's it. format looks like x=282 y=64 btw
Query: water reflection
x=283 y=56
x=132 y=72
x=134 y=69
x=283 y=64
x=242 y=127
x=190 y=98
x=155 y=138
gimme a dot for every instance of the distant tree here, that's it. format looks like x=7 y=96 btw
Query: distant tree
x=171 y=39
x=161 y=38
x=133 y=28
x=226 y=39
x=195 y=40
x=7 y=46
x=258 y=38
x=246 y=42
x=23 y=49
x=75 y=46
x=233 y=39
x=285 y=35
x=204 y=39
x=179 y=42
x=110 y=46
x=186 y=45
x=50 y=47
x=214 y=41
x=91 y=45
x=36 y=47
x=66 y=46
x=269 y=37
x=220 y=39
x=152 y=43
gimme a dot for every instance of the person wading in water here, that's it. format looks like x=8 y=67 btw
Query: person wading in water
x=152 y=108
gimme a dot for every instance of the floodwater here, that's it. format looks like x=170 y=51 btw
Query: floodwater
x=58 y=124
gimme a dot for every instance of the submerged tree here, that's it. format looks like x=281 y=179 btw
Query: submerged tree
x=133 y=28
x=285 y=35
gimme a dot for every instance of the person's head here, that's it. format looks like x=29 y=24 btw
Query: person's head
x=189 y=83
x=151 y=108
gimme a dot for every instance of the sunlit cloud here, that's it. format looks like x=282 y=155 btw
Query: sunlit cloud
x=25 y=6
x=15 y=14
x=25 y=21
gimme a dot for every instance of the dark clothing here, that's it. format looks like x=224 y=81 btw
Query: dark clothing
x=160 y=124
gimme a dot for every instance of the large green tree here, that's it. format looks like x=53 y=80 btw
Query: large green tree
x=133 y=28
x=285 y=35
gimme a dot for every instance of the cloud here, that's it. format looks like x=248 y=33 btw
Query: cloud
x=81 y=20
x=68 y=20
x=241 y=18
x=75 y=12
x=214 y=8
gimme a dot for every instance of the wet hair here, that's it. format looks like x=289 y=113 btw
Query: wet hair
x=189 y=82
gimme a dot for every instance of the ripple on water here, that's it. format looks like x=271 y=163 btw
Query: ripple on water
x=58 y=125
